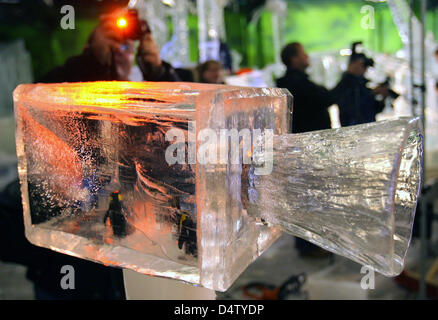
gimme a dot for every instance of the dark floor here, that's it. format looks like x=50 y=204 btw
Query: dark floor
x=277 y=264
x=281 y=261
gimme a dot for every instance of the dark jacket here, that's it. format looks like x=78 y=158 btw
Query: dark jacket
x=85 y=67
x=310 y=102
x=92 y=280
x=357 y=104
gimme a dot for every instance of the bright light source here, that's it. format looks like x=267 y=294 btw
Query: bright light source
x=121 y=22
x=345 y=52
x=212 y=33
x=169 y=3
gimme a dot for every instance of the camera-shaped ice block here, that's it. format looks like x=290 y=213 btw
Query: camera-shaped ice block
x=96 y=183
x=194 y=182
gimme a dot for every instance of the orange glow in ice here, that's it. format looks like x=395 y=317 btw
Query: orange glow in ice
x=60 y=159
x=116 y=97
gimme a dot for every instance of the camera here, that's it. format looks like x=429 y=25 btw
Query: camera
x=387 y=83
x=129 y=25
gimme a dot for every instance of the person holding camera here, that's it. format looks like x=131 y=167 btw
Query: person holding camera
x=357 y=103
x=109 y=53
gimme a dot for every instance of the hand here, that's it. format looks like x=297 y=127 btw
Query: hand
x=105 y=38
x=148 y=50
x=382 y=90
x=109 y=47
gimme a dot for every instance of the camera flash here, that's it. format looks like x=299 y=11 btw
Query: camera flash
x=121 y=22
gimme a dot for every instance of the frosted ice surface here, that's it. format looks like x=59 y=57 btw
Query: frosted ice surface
x=96 y=185
x=352 y=190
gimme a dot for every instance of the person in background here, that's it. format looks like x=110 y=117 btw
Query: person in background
x=211 y=71
x=357 y=103
x=310 y=103
x=107 y=56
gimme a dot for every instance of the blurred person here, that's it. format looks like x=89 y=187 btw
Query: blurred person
x=357 y=103
x=310 y=112
x=310 y=101
x=211 y=71
x=107 y=56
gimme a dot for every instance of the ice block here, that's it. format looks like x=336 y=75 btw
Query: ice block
x=102 y=180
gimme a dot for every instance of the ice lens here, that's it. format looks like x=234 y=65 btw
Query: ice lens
x=352 y=191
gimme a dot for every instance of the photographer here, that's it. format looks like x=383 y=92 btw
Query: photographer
x=109 y=53
x=357 y=103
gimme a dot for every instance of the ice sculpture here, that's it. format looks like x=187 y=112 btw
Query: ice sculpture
x=97 y=182
x=156 y=14
x=211 y=28
x=177 y=50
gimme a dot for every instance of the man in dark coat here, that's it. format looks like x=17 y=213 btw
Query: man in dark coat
x=310 y=100
x=357 y=103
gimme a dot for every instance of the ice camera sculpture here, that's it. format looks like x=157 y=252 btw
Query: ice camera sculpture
x=96 y=182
